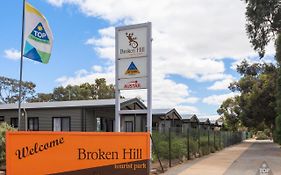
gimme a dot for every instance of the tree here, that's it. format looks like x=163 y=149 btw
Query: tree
x=4 y=127
x=277 y=132
x=263 y=22
x=9 y=90
x=264 y=25
x=230 y=111
x=255 y=106
x=86 y=91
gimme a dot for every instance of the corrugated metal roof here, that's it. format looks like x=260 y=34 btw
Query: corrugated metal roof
x=186 y=116
x=202 y=120
x=64 y=104
x=211 y=117
x=160 y=111
x=213 y=122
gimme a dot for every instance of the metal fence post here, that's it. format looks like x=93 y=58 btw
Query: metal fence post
x=188 y=149
x=220 y=146
x=199 y=141
x=170 y=149
x=209 y=140
x=214 y=132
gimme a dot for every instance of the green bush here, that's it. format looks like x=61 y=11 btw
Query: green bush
x=261 y=136
x=193 y=147
x=3 y=128
x=204 y=148
x=178 y=148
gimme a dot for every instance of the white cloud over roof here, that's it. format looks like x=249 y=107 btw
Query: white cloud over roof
x=190 y=39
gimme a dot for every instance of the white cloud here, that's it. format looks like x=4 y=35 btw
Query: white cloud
x=12 y=54
x=190 y=39
x=218 y=99
x=97 y=68
x=254 y=59
x=83 y=76
x=163 y=97
x=192 y=100
x=187 y=109
x=191 y=26
x=222 y=85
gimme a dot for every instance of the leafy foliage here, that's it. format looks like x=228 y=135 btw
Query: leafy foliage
x=277 y=132
x=9 y=90
x=4 y=127
x=261 y=136
x=255 y=106
x=230 y=110
x=263 y=22
x=86 y=91
x=264 y=25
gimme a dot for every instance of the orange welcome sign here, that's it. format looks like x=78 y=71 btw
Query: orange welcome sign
x=70 y=153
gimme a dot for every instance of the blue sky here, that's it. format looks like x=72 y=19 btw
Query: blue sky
x=195 y=47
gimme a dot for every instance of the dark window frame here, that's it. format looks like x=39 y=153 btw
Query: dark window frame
x=53 y=121
x=34 y=119
x=17 y=122
x=2 y=118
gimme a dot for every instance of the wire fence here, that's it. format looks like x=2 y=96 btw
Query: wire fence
x=175 y=145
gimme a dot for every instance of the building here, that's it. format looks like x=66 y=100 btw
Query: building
x=165 y=118
x=189 y=121
x=204 y=123
x=82 y=115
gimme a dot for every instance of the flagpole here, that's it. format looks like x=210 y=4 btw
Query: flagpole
x=21 y=65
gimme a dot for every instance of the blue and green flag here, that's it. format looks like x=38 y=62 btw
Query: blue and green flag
x=38 y=36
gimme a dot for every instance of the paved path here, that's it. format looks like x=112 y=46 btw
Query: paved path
x=241 y=159
x=252 y=159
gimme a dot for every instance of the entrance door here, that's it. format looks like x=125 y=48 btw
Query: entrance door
x=129 y=126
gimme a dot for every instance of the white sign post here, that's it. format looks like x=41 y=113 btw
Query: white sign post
x=133 y=66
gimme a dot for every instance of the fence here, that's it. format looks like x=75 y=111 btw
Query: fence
x=176 y=144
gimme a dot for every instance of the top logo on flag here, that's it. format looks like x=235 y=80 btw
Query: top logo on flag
x=132 y=69
x=39 y=34
x=38 y=37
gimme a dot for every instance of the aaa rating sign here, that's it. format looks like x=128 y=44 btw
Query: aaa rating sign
x=132 y=68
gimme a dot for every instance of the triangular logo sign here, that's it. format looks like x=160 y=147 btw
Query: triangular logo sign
x=132 y=69
x=264 y=169
x=39 y=34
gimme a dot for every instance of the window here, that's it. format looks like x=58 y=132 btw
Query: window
x=2 y=119
x=101 y=124
x=14 y=122
x=61 y=123
x=33 y=123
x=129 y=126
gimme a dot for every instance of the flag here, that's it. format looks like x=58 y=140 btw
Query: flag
x=38 y=37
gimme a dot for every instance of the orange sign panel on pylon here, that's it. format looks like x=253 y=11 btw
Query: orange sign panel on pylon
x=71 y=153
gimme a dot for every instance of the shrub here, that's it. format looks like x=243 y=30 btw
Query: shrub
x=178 y=146
x=3 y=128
x=261 y=136
x=193 y=147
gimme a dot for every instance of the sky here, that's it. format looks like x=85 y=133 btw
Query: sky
x=196 y=47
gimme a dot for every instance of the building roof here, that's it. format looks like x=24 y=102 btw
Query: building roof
x=160 y=111
x=211 y=117
x=204 y=120
x=187 y=116
x=68 y=104
x=213 y=122
x=164 y=113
